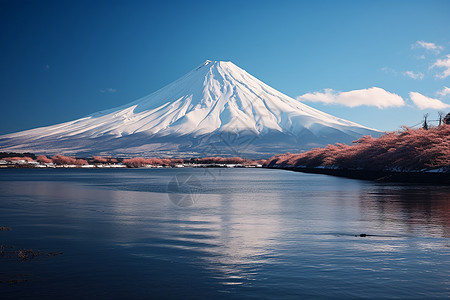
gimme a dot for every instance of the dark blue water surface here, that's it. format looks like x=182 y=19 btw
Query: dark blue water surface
x=221 y=233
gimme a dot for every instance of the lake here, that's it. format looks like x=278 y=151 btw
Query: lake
x=219 y=234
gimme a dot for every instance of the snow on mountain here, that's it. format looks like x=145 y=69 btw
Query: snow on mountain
x=216 y=109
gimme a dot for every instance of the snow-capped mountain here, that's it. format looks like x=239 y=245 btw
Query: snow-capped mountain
x=216 y=109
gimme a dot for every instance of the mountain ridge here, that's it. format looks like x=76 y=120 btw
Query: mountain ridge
x=216 y=105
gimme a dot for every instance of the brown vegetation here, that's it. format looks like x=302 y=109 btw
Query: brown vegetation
x=44 y=159
x=404 y=150
x=17 y=158
x=67 y=160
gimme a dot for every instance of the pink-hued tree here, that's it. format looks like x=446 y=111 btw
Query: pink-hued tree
x=232 y=160
x=63 y=160
x=16 y=158
x=43 y=159
x=80 y=162
x=176 y=161
x=165 y=162
x=407 y=150
x=261 y=161
x=137 y=162
x=99 y=160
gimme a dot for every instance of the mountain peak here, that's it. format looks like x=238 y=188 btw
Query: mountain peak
x=212 y=63
x=207 y=62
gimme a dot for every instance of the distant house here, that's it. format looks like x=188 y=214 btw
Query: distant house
x=447 y=119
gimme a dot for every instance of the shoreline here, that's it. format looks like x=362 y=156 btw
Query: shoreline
x=370 y=175
x=221 y=166
x=378 y=176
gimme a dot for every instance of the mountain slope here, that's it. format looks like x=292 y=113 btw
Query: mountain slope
x=216 y=109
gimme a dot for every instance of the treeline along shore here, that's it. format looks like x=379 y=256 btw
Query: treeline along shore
x=30 y=160
x=406 y=155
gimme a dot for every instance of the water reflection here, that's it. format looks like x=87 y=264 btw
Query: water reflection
x=250 y=230
x=422 y=210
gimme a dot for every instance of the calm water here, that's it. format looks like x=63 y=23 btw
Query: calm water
x=248 y=233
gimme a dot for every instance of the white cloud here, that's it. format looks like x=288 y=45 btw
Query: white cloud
x=373 y=96
x=428 y=46
x=445 y=91
x=443 y=63
x=46 y=67
x=108 y=90
x=414 y=75
x=424 y=102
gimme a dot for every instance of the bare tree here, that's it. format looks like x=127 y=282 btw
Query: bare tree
x=441 y=117
x=425 y=123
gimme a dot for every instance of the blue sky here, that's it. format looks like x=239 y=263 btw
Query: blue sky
x=62 y=60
